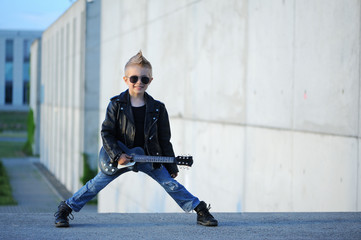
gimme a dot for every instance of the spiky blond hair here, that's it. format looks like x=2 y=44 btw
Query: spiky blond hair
x=139 y=60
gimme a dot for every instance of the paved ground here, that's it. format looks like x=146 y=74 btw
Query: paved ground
x=29 y=189
x=33 y=187
x=38 y=195
x=182 y=226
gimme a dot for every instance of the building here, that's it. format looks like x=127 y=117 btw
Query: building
x=264 y=94
x=67 y=96
x=15 y=68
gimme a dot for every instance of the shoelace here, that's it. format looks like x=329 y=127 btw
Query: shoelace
x=64 y=214
x=205 y=211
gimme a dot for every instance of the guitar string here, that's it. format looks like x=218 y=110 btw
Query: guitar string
x=153 y=159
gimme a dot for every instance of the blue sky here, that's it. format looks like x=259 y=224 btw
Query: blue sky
x=31 y=14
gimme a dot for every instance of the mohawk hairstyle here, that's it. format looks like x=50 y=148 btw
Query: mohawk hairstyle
x=140 y=60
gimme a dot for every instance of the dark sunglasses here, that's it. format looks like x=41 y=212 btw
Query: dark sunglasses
x=134 y=79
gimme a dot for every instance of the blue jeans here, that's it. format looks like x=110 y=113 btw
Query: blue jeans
x=177 y=191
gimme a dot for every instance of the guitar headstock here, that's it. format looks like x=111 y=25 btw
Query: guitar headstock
x=184 y=160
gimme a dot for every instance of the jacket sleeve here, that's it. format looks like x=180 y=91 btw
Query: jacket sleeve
x=109 y=131
x=164 y=135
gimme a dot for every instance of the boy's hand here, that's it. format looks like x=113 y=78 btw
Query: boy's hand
x=124 y=159
x=174 y=175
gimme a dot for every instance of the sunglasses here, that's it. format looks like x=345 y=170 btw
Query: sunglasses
x=134 y=79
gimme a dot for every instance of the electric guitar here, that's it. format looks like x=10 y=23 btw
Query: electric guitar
x=138 y=155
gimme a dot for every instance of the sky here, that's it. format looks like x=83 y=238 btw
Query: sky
x=31 y=14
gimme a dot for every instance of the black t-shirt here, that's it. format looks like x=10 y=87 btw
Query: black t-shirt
x=139 y=118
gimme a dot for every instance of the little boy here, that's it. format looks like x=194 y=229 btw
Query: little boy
x=137 y=120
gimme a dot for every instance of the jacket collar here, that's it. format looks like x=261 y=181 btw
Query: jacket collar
x=124 y=98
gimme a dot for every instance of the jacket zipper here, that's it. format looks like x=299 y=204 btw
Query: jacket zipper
x=150 y=138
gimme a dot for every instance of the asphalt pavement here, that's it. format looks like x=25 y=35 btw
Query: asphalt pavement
x=38 y=194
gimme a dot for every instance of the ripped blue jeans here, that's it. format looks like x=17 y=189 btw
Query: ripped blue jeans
x=177 y=191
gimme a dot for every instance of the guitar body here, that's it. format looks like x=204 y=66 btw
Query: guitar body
x=138 y=155
x=109 y=168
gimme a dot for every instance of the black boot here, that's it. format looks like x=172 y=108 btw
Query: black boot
x=61 y=216
x=204 y=217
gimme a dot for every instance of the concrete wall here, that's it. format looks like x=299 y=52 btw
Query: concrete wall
x=264 y=94
x=35 y=91
x=68 y=129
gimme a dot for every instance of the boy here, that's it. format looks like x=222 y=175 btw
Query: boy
x=137 y=120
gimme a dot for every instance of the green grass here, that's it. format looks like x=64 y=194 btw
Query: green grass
x=14 y=134
x=15 y=125
x=11 y=149
x=6 y=197
x=13 y=121
x=28 y=149
x=12 y=125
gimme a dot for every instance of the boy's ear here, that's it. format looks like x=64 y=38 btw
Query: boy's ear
x=125 y=79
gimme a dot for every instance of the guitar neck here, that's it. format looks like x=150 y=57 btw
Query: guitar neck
x=153 y=159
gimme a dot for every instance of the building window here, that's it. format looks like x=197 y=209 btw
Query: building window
x=8 y=92
x=26 y=71
x=26 y=91
x=26 y=50
x=9 y=50
x=9 y=70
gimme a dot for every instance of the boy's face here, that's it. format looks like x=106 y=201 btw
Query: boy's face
x=140 y=75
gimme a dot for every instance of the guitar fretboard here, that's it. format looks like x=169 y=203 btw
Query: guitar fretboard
x=153 y=159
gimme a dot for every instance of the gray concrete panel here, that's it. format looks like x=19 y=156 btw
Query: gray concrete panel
x=324 y=173
x=217 y=175
x=270 y=63
x=327 y=66
x=269 y=170
x=159 y=9
x=215 y=84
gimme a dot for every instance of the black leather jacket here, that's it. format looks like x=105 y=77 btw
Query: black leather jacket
x=119 y=126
